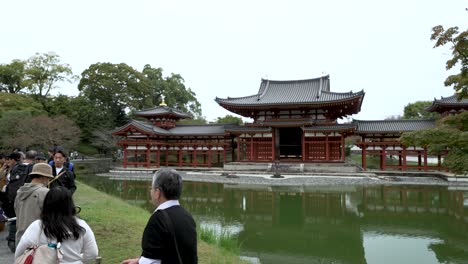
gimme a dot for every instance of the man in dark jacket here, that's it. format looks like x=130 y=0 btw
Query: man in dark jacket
x=15 y=179
x=62 y=176
x=170 y=235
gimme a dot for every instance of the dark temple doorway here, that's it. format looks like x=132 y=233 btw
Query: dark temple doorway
x=290 y=143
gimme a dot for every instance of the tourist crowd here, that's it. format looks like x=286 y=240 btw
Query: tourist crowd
x=36 y=198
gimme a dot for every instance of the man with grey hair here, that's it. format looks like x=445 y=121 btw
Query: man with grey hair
x=170 y=235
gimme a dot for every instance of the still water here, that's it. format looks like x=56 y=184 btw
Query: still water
x=325 y=224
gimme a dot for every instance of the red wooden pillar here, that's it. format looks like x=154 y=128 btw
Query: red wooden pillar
x=167 y=155
x=158 y=156
x=239 y=143
x=209 y=156
x=303 y=145
x=419 y=160
x=363 y=157
x=251 y=147
x=179 y=156
x=343 y=149
x=404 y=159
x=148 y=152
x=425 y=158
x=224 y=154
x=273 y=144
x=194 y=156
x=125 y=158
x=327 y=151
x=384 y=158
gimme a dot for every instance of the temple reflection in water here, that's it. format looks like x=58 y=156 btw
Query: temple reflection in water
x=329 y=224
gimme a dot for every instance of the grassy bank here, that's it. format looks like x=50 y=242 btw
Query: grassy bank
x=118 y=227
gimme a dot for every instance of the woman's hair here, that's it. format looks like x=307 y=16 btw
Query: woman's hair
x=58 y=215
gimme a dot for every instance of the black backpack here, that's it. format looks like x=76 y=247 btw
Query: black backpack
x=18 y=175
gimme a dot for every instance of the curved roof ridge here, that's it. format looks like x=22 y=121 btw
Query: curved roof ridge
x=344 y=93
x=395 y=120
x=296 y=81
x=231 y=98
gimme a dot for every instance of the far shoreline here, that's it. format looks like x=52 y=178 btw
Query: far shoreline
x=262 y=178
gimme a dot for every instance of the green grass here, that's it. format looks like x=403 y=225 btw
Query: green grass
x=225 y=240
x=118 y=227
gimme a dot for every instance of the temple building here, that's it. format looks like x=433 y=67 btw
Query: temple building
x=448 y=105
x=292 y=122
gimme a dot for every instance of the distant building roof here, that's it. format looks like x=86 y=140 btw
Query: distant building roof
x=309 y=91
x=445 y=103
x=162 y=111
x=331 y=128
x=180 y=130
x=391 y=126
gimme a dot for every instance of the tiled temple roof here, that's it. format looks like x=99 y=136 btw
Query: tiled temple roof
x=162 y=111
x=246 y=129
x=299 y=92
x=337 y=127
x=391 y=126
x=450 y=101
x=180 y=130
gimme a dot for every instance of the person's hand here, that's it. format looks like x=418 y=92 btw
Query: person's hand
x=130 y=261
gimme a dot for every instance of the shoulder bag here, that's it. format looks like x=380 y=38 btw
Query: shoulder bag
x=40 y=254
x=172 y=230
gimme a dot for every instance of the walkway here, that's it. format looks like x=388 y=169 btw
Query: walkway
x=6 y=257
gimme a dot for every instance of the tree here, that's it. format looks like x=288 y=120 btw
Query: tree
x=458 y=42
x=417 y=110
x=19 y=129
x=117 y=88
x=173 y=89
x=450 y=134
x=12 y=76
x=86 y=115
x=20 y=102
x=43 y=71
x=201 y=120
x=229 y=119
x=114 y=88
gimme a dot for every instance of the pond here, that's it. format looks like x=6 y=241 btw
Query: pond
x=325 y=224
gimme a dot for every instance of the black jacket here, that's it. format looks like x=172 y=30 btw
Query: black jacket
x=67 y=179
x=18 y=174
x=158 y=242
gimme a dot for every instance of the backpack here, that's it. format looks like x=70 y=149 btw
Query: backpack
x=18 y=175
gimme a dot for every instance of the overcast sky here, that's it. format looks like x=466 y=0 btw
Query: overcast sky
x=224 y=48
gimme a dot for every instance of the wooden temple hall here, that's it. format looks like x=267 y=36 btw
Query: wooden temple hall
x=293 y=121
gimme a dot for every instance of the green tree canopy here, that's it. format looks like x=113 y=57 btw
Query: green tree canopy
x=450 y=134
x=458 y=42
x=173 y=89
x=229 y=119
x=44 y=71
x=113 y=88
x=117 y=88
x=20 y=102
x=12 y=76
x=417 y=110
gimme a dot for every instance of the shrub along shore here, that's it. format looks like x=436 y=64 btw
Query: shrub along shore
x=118 y=227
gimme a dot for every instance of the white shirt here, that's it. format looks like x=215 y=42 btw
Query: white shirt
x=162 y=206
x=82 y=250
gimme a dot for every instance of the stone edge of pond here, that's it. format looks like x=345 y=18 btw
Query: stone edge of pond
x=307 y=178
